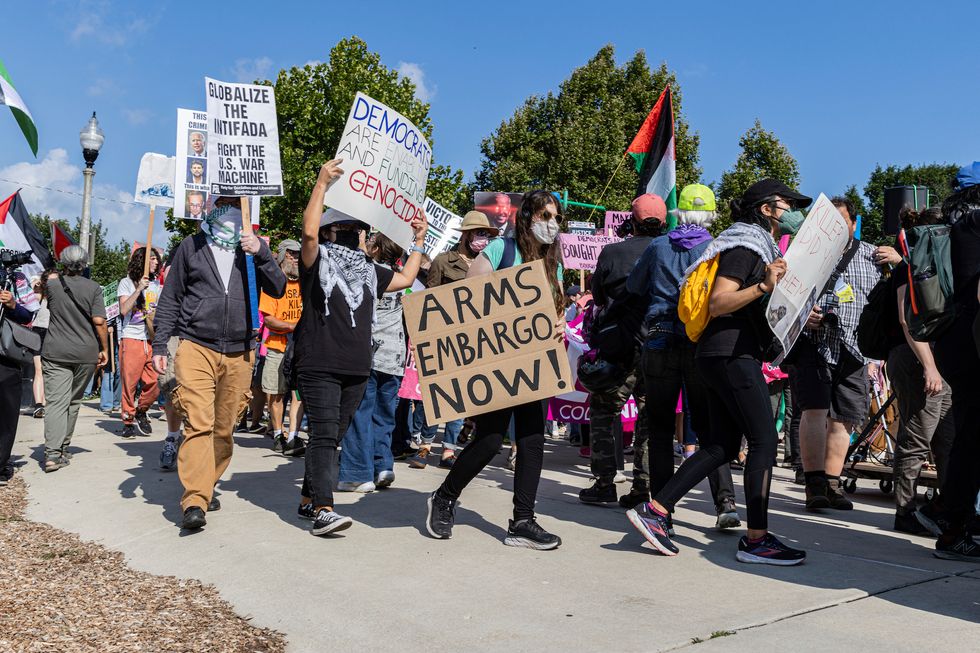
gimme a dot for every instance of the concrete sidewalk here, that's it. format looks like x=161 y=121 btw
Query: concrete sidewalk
x=386 y=586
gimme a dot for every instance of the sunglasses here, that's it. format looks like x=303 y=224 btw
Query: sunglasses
x=483 y=233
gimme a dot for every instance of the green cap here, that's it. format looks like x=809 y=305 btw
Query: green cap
x=696 y=197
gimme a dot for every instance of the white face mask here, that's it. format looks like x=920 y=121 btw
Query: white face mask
x=545 y=231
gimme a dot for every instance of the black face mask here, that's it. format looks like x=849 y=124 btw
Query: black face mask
x=349 y=239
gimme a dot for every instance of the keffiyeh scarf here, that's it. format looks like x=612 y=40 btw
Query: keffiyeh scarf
x=740 y=234
x=349 y=271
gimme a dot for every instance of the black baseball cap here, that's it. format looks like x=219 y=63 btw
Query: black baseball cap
x=763 y=190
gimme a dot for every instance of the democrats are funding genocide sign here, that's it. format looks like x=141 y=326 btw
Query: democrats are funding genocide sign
x=485 y=343
x=242 y=139
x=386 y=162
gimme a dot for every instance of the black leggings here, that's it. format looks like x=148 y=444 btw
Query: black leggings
x=738 y=405
x=10 y=390
x=529 y=422
x=330 y=401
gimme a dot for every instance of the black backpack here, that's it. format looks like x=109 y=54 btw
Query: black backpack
x=878 y=328
x=616 y=330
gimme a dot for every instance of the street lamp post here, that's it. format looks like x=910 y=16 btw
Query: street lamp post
x=91 y=139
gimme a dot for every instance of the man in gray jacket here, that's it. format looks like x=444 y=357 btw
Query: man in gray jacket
x=205 y=303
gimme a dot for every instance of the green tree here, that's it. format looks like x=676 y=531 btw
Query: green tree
x=576 y=140
x=937 y=177
x=110 y=260
x=763 y=155
x=312 y=104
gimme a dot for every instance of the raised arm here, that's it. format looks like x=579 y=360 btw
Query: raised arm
x=329 y=173
x=406 y=277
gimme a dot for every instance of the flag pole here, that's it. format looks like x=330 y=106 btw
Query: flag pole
x=603 y=193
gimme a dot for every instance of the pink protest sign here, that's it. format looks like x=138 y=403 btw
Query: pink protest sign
x=410 y=382
x=581 y=252
x=615 y=218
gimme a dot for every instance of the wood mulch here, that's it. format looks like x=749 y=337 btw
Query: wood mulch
x=59 y=593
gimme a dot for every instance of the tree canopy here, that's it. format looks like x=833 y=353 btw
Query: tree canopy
x=576 y=138
x=110 y=260
x=938 y=177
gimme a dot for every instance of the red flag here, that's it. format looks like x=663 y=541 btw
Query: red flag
x=59 y=240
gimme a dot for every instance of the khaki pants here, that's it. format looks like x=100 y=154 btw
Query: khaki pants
x=64 y=385
x=212 y=392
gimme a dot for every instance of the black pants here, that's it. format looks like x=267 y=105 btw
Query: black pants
x=666 y=371
x=330 y=401
x=529 y=421
x=958 y=362
x=738 y=404
x=10 y=389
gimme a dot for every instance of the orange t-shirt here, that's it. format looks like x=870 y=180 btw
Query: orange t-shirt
x=288 y=309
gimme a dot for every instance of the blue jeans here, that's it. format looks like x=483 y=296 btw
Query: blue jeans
x=111 y=392
x=367 y=444
x=449 y=436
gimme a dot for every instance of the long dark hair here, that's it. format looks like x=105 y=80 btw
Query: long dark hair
x=961 y=202
x=386 y=250
x=531 y=249
x=752 y=214
x=909 y=217
x=135 y=272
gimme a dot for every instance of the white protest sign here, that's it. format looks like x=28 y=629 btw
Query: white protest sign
x=191 y=176
x=810 y=260
x=442 y=234
x=154 y=181
x=243 y=139
x=386 y=162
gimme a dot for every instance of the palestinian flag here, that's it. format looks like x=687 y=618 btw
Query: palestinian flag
x=59 y=240
x=17 y=232
x=10 y=97
x=653 y=154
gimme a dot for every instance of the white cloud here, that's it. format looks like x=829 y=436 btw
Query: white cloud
x=313 y=62
x=121 y=218
x=137 y=116
x=247 y=71
x=103 y=86
x=91 y=26
x=414 y=72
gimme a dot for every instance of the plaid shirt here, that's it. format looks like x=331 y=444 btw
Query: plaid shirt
x=861 y=274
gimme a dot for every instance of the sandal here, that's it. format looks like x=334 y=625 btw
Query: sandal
x=53 y=465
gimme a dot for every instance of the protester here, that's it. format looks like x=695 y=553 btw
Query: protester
x=39 y=325
x=729 y=356
x=75 y=345
x=572 y=295
x=339 y=286
x=138 y=294
x=952 y=516
x=536 y=238
x=110 y=390
x=615 y=305
x=366 y=462
x=668 y=360
x=18 y=304
x=831 y=373
x=205 y=304
x=280 y=317
x=449 y=267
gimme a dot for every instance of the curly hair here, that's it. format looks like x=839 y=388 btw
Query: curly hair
x=531 y=249
x=961 y=202
x=135 y=271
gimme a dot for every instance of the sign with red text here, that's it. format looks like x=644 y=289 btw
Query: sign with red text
x=810 y=260
x=386 y=161
x=242 y=139
x=581 y=252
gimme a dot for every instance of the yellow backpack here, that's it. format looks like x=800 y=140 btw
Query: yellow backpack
x=692 y=305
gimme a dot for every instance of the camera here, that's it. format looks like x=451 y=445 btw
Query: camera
x=10 y=258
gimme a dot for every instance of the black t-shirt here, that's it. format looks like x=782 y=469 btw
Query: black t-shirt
x=613 y=268
x=964 y=254
x=737 y=334
x=330 y=343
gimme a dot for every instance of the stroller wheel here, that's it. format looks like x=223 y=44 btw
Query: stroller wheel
x=850 y=485
x=886 y=486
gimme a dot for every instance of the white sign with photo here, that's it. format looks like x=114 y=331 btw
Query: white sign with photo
x=154 y=181
x=191 y=190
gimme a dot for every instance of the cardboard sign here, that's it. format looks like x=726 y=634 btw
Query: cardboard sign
x=614 y=219
x=242 y=139
x=442 y=234
x=810 y=260
x=582 y=252
x=191 y=188
x=386 y=162
x=500 y=208
x=581 y=228
x=486 y=343
x=154 y=181
x=110 y=297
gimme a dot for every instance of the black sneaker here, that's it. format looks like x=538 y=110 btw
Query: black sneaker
x=634 y=497
x=907 y=523
x=836 y=496
x=327 y=522
x=527 y=533
x=143 y=423
x=278 y=443
x=727 y=515
x=128 y=432
x=769 y=551
x=306 y=511
x=442 y=516
x=963 y=548
x=816 y=494
x=257 y=429
x=597 y=493
x=294 y=447
x=932 y=519
x=193 y=519
x=798 y=477
x=655 y=528
x=6 y=473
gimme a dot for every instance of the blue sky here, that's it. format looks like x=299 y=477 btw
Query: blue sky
x=845 y=85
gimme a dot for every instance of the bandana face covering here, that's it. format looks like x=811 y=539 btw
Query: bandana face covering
x=223 y=225
x=479 y=243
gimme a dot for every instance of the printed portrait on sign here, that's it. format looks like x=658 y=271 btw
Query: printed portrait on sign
x=197 y=144
x=197 y=171
x=500 y=208
x=194 y=203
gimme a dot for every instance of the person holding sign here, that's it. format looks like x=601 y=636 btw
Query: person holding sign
x=536 y=237
x=137 y=299
x=205 y=303
x=729 y=357
x=340 y=286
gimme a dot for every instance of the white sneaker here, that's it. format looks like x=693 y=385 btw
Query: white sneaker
x=385 y=479
x=353 y=486
x=620 y=478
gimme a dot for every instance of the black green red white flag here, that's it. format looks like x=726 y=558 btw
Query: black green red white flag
x=10 y=97
x=652 y=151
x=17 y=232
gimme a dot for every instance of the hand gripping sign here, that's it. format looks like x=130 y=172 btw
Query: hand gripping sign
x=486 y=343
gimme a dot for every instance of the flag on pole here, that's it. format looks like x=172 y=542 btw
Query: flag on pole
x=17 y=232
x=10 y=97
x=59 y=240
x=653 y=153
